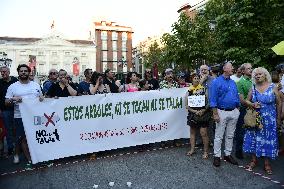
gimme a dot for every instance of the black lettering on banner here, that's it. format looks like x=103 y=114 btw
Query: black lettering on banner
x=42 y=136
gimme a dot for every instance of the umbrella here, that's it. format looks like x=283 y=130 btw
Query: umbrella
x=279 y=48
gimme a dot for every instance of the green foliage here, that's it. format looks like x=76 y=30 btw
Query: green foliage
x=245 y=31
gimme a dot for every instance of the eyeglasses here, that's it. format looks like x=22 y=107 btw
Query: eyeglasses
x=53 y=73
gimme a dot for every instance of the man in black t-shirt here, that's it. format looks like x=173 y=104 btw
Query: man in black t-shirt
x=7 y=112
x=62 y=88
x=108 y=80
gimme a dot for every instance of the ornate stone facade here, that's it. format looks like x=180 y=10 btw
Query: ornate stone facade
x=51 y=51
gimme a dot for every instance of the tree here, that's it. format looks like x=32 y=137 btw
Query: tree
x=154 y=55
x=247 y=29
x=245 y=32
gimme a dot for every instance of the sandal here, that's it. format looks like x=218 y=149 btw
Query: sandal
x=190 y=153
x=205 y=155
x=267 y=169
x=251 y=165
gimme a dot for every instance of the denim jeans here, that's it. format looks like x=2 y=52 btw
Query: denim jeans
x=8 y=120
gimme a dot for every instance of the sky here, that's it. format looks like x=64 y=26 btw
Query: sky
x=74 y=18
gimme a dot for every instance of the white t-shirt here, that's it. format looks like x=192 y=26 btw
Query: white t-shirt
x=29 y=90
x=235 y=78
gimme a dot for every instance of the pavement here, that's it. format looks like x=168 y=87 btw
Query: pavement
x=154 y=168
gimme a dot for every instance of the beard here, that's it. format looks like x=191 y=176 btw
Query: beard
x=23 y=77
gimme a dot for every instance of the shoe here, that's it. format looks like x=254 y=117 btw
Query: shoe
x=239 y=155
x=48 y=163
x=16 y=159
x=177 y=144
x=163 y=144
x=251 y=165
x=205 y=155
x=231 y=160
x=10 y=151
x=93 y=156
x=216 y=162
x=267 y=169
x=29 y=166
x=190 y=153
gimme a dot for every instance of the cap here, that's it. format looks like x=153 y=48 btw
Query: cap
x=168 y=70
x=181 y=74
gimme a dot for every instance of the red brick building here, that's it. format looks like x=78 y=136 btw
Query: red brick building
x=114 y=46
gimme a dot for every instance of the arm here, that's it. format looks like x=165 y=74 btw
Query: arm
x=278 y=105
x=70 y=89
x=93 y=89
x=203 y=79
x=241 y=93
x=10 y=98
x=40 y=95
x=248 y=102
x=213 y=101
x=108 y=88
x=123 y=88
x=186 y=100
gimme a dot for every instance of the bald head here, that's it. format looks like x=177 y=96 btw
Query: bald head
x=204 y=70
x=228 y=69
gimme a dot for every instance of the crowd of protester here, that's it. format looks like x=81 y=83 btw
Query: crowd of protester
x=226 y=98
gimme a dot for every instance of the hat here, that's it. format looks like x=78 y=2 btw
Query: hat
x=168 y=70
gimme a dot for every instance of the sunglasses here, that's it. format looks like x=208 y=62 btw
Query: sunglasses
x=53 y=73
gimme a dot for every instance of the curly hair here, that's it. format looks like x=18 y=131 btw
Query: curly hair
x=262 y=70
x=23 y=66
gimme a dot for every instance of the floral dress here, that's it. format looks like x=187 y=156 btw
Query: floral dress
x=263 y=142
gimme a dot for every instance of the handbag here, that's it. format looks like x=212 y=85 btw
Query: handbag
x=201 y=119
x=252 y=118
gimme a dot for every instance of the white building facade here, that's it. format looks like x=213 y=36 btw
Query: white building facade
x=49 y=52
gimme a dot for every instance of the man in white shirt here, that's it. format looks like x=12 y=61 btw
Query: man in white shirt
x=22 y=89
x=237 y=76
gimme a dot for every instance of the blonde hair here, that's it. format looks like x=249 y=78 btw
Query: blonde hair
x=263 y=70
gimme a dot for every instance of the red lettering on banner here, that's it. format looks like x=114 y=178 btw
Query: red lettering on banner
x=124 y=131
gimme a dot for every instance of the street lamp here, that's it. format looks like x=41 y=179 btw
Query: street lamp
x=120 y=65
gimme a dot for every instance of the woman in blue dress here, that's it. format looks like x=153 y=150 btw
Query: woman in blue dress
x=263 y=142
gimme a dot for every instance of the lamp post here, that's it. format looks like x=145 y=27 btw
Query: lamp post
x=120 y=66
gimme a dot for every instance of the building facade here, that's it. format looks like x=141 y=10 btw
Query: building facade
x=114 y=46
x=141 y=49
x=191 y=11
x=51 y=51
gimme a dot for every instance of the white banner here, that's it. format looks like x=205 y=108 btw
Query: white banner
x=58 y=128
